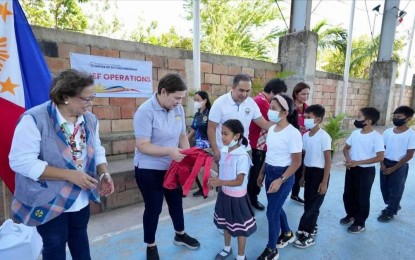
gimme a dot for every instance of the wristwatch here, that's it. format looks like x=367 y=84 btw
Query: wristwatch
x=282 y=178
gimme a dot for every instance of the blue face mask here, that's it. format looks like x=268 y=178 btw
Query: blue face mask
x=274 y=116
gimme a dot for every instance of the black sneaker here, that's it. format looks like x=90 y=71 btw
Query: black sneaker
x=385 y=216
x=186 y=240
x=315 y=231
x=285 y=238
x=356 y=229
x=198 y=193
x=269 y=254
x=152 y=253
x=346 y=220
x=298 y=200
x=305 y=240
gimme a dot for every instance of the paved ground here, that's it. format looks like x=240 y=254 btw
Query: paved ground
x=119 y=234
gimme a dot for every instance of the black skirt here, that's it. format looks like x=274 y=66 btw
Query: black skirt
x=235 y=215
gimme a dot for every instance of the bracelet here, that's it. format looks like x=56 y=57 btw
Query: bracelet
x=282 y=178
x=102 y=175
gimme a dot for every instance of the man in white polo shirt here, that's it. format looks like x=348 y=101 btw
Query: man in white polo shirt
x=234 y=105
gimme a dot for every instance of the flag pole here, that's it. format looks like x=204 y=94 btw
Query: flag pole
x=6 y=212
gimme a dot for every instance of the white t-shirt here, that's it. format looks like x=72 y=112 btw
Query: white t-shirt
x=314 y=147
x=365 y=146
x=232 y=164
x=398 y=144
x=282 y=144
x=225 y=108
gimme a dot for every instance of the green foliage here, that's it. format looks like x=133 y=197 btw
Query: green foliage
x=102 y=18
x=334 y=127
x=330 y=37
x=232 y=27
x=364 y=52
x=58 y=14
x=145 y=33
x=258 y=84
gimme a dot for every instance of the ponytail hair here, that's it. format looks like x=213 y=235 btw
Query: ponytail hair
x=292 y=116
x=236 y=127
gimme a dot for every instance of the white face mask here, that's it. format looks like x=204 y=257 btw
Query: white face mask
x=232 y=143
x=197 y=105
x=274 y=116
x=309 y=123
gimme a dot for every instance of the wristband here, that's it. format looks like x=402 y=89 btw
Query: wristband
x=102 y=175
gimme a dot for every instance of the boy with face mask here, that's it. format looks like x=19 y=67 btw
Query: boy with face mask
x=400 y=147
x=317 y=162
x=364 y=148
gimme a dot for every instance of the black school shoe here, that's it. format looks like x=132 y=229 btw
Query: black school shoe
x=356 y=229
x=152 y=253
x=298 y=200
x=346 y=220
x=385 y=216
x=186 y=240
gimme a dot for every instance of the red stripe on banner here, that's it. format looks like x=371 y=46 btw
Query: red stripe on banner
x=9 y=115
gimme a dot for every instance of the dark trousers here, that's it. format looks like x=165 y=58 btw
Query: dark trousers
x=150 y=183
x=393 y=185
x=298 y=174
x=258 y=158
x=356 y=197
x=312 y=200
x=68 y=228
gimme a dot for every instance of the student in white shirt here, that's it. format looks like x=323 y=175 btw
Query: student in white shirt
x=316 y=172
x=400 y=147
x=283 y=158
x=364 y=148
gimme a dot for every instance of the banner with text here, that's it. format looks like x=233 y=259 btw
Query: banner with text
x=116 y=77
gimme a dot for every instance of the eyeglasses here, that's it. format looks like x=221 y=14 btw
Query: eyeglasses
x=87 y=100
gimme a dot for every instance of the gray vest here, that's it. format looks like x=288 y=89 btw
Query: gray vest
x=37 y=193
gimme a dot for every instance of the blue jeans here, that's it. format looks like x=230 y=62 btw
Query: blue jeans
x=393 y=185
x=277 y=219
x=68 y=228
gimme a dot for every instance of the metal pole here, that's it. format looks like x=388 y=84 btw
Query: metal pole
x=196 y=44
x=5 y=204
x=408 y=54
x=373 y=27
x=348 y=54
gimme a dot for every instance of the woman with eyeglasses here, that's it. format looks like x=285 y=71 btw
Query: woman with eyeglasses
x=60 y=165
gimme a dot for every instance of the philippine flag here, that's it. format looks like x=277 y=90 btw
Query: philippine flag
x=24 y=77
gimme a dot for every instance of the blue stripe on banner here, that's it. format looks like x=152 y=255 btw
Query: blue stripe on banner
x=35 y=72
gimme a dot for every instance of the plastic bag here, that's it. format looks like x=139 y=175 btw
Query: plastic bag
x=18 y=241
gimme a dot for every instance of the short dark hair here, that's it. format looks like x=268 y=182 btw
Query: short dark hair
x=298 y=88
x=171 y=83
x=204 y=95
x=405 y=110
x=241 y=77
x=371 y=113
x=69 y=83
x=276 y=86
x=317 y=110
x=292 y=117
x=236 y=127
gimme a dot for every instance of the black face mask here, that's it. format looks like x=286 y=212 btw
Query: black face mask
x=399 y=121
x=359 y=124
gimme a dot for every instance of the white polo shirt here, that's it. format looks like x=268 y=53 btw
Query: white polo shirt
x=225 y=108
